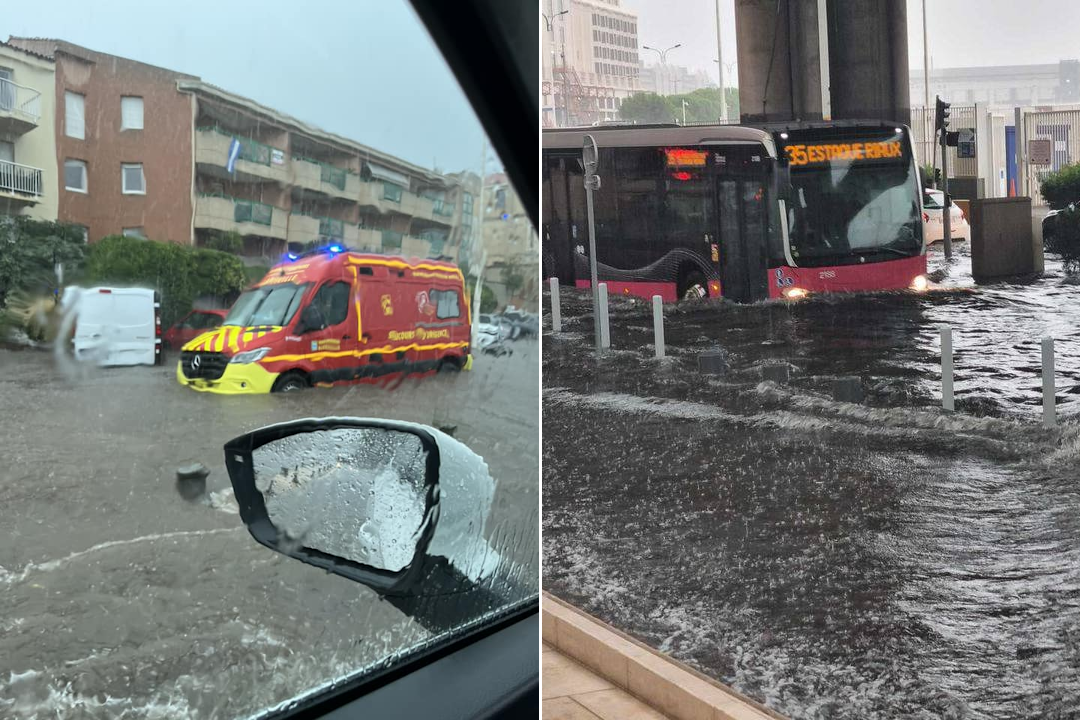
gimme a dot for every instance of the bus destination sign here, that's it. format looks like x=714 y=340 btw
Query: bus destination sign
x=820 y=154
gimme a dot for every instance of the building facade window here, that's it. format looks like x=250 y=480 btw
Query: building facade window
x=75 y=175
x=134 y=232
x=131 y=113
x=85 y=232
x=74 y=115
x=132 y=180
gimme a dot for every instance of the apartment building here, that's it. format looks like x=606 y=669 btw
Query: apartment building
x=28 y=177
x=276 y=180
x=511 y=244
x=153 y=153
x=123 y=143
x=591 y=61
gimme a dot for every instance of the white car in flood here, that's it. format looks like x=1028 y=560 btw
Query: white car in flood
x=933 y=219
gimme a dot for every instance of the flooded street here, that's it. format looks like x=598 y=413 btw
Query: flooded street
x=831 y=560
x=120 y=599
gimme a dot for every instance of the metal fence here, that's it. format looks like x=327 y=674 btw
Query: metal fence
x=1055 y=130
x=927 y=147
x=251 y=211
x=21 y=179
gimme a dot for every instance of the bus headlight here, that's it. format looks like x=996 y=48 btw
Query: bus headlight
x=250 y=356
x=920 y=283
x=794 y=293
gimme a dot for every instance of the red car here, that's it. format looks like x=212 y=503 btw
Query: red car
x=192 y=325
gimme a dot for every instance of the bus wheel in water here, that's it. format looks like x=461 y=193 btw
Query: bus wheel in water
x=693 y=287
x=290 y=382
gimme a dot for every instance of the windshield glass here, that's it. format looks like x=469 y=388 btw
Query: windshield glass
x=267 y=305
x=845 y=208
x=180 y=155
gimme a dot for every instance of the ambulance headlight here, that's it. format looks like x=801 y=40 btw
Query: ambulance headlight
x=250 y=356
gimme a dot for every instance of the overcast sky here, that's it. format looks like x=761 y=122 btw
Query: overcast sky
x=961 y=32
x=365 y=69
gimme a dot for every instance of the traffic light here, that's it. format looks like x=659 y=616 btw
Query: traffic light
x=941 y=116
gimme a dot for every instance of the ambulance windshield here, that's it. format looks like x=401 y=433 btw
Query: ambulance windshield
x=267 y=305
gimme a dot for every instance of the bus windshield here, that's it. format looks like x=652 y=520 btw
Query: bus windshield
x=840 y=210
x=267 y=305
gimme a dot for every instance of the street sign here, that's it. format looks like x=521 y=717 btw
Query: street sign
x=590 y=160
x=965 y=144
x=1040 y=152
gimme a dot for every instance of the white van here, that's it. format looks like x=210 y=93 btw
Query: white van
x=116 y=326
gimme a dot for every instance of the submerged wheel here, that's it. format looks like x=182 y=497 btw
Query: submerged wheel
x=290 y=382
x=693 y=287
x=449 y=365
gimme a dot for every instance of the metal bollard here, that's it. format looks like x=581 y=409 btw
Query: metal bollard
x=658 y=324
x=1049 y=419
x=556 y=313
x=947 y=401
x=605 y=332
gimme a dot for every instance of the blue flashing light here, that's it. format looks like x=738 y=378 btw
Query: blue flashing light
x=506 y=216
x=292 y=256
x=334 y=248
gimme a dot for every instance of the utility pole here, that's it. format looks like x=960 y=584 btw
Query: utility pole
x=720 y=67
x=549 y=20
x=926 y=88
x=590 y=159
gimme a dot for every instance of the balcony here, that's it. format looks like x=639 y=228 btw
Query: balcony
x=247 y=217
x=391 y=198
x=256 y=163
x=309 y=228
x=20 y=108
x=323 y=178
x=20 y=183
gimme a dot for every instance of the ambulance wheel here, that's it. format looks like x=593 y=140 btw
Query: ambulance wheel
x=449 y=365
x=290 y=382
x=693 y=287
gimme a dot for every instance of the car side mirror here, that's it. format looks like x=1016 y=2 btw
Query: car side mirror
x=311 y=318
x=397 y=506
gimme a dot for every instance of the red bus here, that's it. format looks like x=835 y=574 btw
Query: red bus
x=743 y=213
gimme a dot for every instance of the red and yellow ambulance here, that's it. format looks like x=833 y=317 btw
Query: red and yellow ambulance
x=335 y=317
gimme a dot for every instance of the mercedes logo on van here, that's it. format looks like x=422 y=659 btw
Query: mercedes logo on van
x=196 y=362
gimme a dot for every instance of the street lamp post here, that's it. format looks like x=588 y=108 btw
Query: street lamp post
x=727 y=68
x=720 y=66
x=549 y=20
x=662 y=53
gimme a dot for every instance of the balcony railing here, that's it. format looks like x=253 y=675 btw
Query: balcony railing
x=20 y=100
x=250 y=150
x=444 y=208
x=21 y=179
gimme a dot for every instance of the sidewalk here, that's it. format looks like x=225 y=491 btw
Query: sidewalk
x=572 y=692
x=591 y=671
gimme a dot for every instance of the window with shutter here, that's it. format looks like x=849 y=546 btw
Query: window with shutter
x=74 y=115
x=131 y=113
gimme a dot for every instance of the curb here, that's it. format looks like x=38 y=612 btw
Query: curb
x=663 y=683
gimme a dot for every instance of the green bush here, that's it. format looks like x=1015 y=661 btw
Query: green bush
x=180 y=273
x=230 y=242
x=1065 y=239
x=1061 y=187
x=29 y=251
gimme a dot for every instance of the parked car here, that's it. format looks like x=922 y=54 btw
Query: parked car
x=1049 y=223
x=933 y=219
x=493 y=325
x=192 y=325
x=522 y=324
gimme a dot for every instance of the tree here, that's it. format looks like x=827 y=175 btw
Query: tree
x=646 y=108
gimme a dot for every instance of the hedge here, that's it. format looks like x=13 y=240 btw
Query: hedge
x=181 y=274
x=1061 y=187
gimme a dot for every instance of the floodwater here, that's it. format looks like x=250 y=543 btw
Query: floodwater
x=832 y=560
x=120 y=599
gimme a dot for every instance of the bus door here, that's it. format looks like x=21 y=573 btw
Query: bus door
x=566 y=228
x=742 y=227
